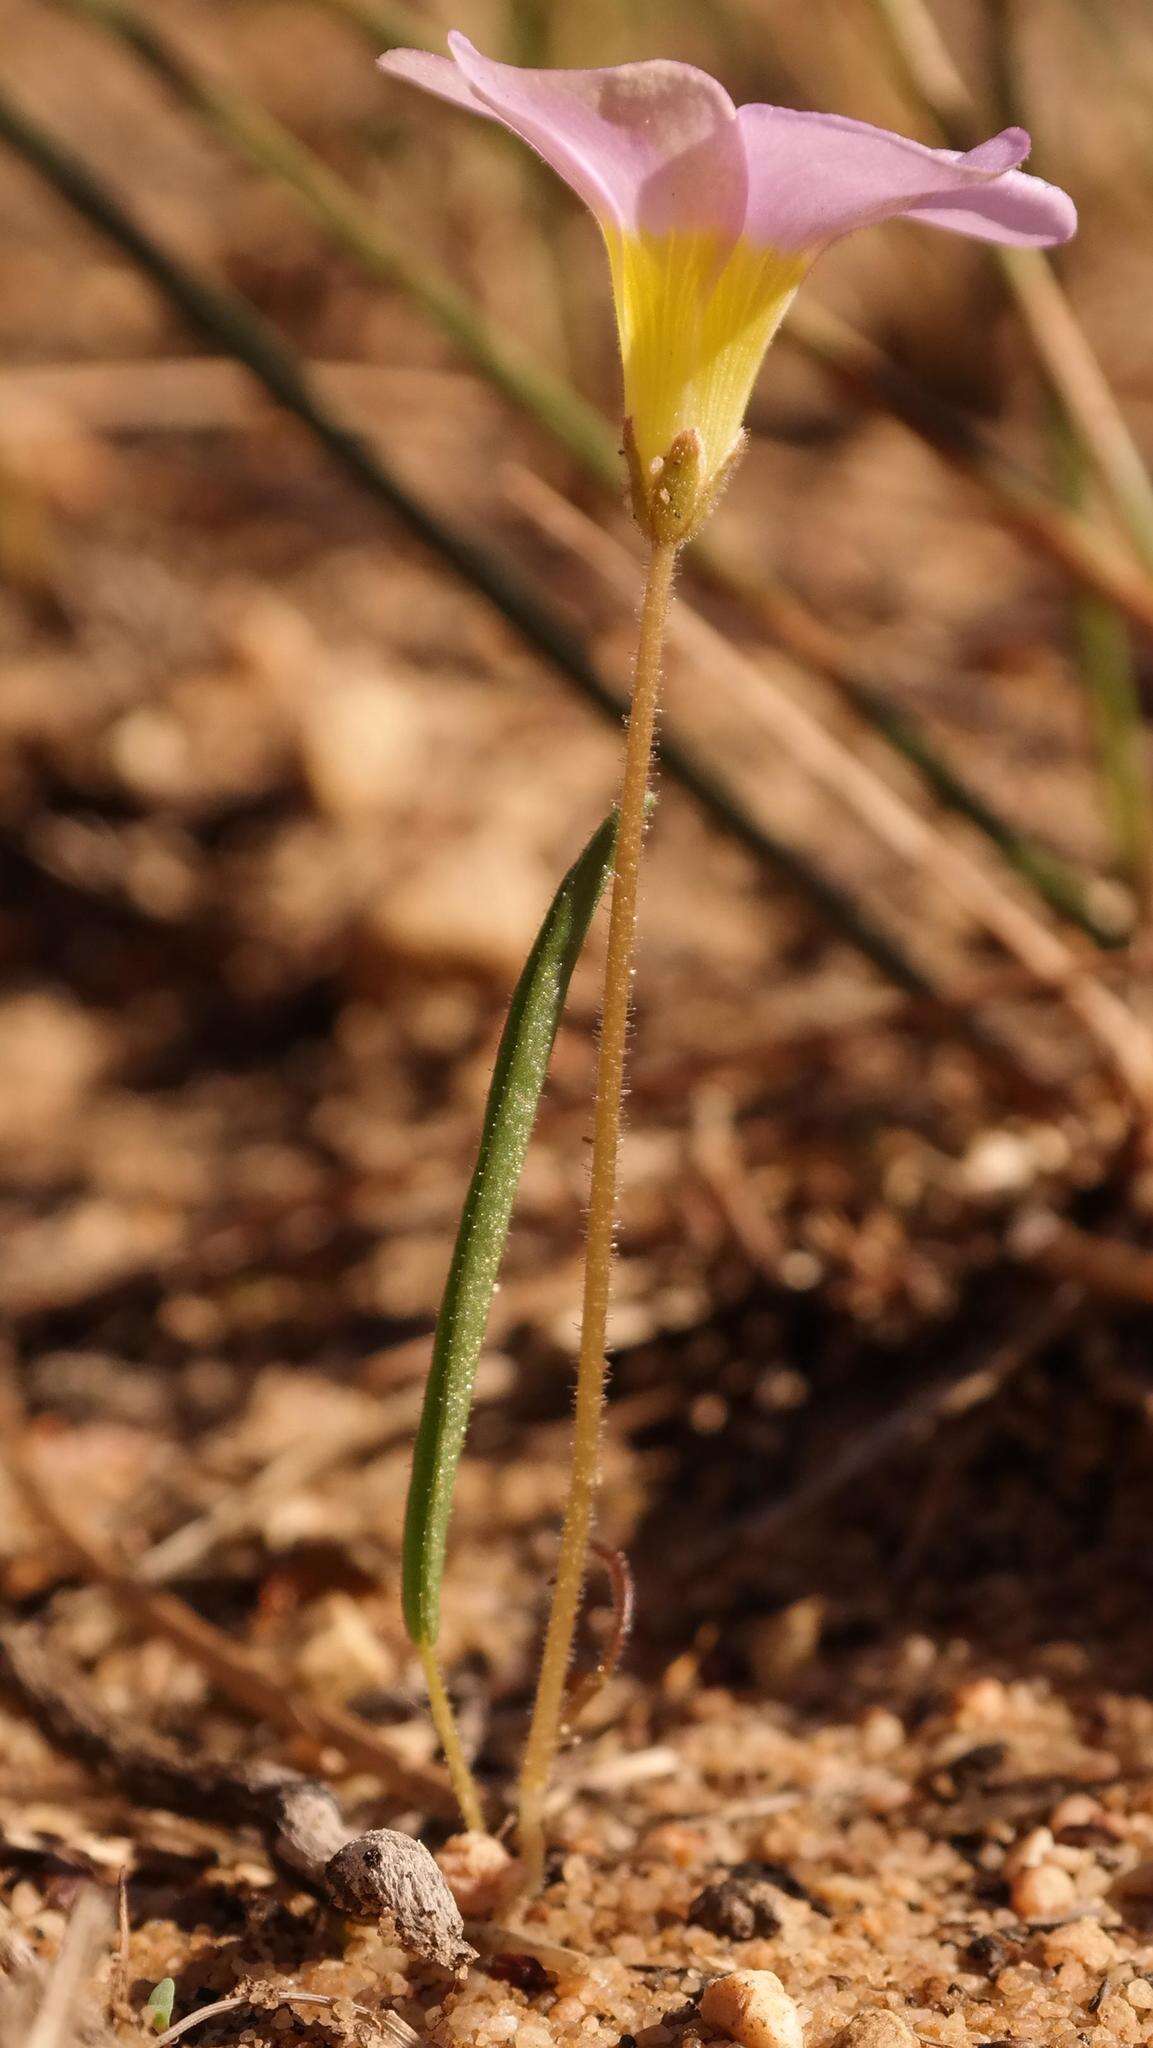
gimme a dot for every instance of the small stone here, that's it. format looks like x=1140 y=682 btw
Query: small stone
x=780 y=1645
x=741 y=1907
x=882 y=1733
x=670 y=1841
x=26 y=1901
x=479 y=1872
x=979 y=1702
x=1029 y=1852
x=753 y=2007
x=1042 y=1893
x=998 y=1163
x=876 y=2027
x=1076 y=1810
x=1139 y=1992
x=1079 y=1941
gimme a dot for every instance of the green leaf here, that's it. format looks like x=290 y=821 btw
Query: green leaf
x=521 y=1065
x=158 y=2010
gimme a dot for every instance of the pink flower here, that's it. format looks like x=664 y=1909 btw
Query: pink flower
x=713 y=214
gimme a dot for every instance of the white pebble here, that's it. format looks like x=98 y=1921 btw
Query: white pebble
x=753 y=2007
x=1043 y=1893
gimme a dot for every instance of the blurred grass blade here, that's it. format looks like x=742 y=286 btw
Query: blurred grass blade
x=518 y=1077
x=1105 y=651
x=385 y=23
x=1104 y=645
x=1059 y=341
x=586 y=435
x=237 y=328
x=861 y=366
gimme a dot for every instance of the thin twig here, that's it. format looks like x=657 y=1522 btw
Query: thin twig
x=389 y=2024
x=370 y=1876
x=1115 y=1028
x=215 y=2011
x=1106 y=1267
x=232 y=1668
x=118 y=1982
x=87 y=1931
x=230 y=322
x=239 y=1506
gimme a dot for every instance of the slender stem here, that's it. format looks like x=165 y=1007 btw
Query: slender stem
x=448 y=1734
x=545 y=1731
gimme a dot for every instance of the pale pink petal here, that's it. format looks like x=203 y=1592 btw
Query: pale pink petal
x=436 y=74
x=652 y=146
x=1003 y=152
x=1022 y=211
x=815 y=177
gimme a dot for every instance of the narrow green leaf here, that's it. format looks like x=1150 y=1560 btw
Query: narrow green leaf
x=158 y=2010
x=521 y=1065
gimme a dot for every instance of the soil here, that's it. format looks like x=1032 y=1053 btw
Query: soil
x=281 y=803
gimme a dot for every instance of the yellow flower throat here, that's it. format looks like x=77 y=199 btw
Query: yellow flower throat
x=694 y=325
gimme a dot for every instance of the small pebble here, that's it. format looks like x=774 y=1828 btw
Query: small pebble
x=479 y=1872
x=1043 y=1893
x=876 y=2027
x=753 y=2007
x=882 y=1733
x=1029 y=1852
x=1077 y=1810
x=980 y=1702
x=741 y=1907
x=1079 y=1941
x=1140 y=1994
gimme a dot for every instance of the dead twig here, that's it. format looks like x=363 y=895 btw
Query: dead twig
x=86 y=1934
x=238 y=1509
x=716 y=1153
x=1106 y=1267
x=233 y=1670
x=371 y=1876
x=388 y=2025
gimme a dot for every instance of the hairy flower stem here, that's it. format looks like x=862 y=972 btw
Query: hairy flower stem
x=444 y=1721
x=548 y=1710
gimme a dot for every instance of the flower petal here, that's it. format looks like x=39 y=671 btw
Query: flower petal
x=1023 y=211
x=436 y=74
x=652 y=146
x=815 y=177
